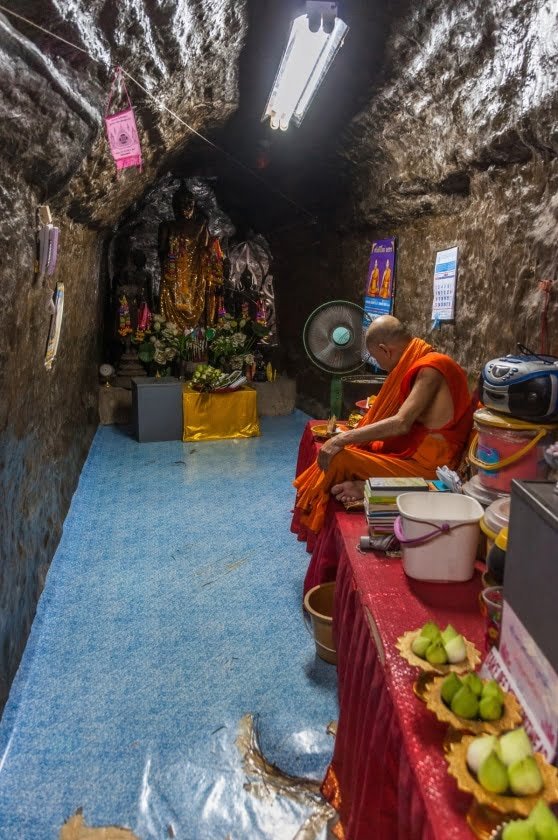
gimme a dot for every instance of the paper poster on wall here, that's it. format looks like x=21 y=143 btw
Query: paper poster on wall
x=55 y=326
x=380 y=281
x=380 y=287
x=445 y=277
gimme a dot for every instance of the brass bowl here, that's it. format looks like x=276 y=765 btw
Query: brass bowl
x=321 y=433
x=520 y=806
x=510 y=719
x=404 y=647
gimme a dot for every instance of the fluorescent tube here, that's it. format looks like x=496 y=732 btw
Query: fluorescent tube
x=305 y=62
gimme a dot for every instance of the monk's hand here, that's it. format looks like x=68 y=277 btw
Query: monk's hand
x=329 y=449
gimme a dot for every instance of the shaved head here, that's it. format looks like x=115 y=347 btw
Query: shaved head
x=389 y=331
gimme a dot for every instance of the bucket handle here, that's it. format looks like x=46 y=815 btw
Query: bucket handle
x=437 y=531
x=511 y=459
x=308 y=625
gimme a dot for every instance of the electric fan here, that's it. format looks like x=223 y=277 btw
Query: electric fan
x=334 y=341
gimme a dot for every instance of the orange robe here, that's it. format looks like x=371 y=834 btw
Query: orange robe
x=418 y=453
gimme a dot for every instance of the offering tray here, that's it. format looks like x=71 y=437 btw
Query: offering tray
x=470 y=662
x=521 y=806
x=511 y=716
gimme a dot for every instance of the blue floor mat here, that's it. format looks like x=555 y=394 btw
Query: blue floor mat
x=171 y=614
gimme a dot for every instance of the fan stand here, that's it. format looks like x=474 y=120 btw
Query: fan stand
x=336 y=396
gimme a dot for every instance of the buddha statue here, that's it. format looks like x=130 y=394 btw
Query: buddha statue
x=186 y=265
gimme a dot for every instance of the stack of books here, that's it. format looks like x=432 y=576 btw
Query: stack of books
x=380 y=501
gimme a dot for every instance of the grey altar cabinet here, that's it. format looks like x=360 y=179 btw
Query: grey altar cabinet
x=157 y=409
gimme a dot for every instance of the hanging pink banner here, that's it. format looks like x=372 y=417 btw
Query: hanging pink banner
x=122 y=132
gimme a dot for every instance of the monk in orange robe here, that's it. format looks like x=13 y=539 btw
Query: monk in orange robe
x=420 y=420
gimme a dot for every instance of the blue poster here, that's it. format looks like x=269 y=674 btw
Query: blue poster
x=380 y=287
x=380 y=281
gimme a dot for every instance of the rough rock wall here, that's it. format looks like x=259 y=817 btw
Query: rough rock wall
x=52 y=150
x=457 y=146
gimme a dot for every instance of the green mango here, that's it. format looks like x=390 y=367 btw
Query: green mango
x=455 y=649
x=490 y=708
x=518 y=830
x=431 y=631
x=464 y=703
x=449 y=633
x=450 y=686
x=543 y=821
x=493 y=775
x=435 y=653
x=514 y=746
x=474 y=682
x=420 y=645
x=492 y=689
x=525 y=777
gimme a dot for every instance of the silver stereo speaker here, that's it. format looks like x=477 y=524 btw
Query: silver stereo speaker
x=524 y=386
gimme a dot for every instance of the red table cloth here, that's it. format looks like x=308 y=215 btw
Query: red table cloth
x=388 y=776
x=323 y=548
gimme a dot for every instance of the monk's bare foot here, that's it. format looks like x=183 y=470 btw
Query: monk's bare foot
x=348 y=491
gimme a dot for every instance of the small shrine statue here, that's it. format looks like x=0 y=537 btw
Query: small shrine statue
x=186 y=264
x=260 y=374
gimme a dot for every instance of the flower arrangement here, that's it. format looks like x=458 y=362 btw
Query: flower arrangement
x=231 y=345
x=160 y=344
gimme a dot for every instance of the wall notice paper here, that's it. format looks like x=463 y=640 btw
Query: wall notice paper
x=520 y=666
x=55 y=327
x=380 y=287
x=445 y=276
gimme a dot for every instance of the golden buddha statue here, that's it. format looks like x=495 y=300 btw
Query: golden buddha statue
x=386 y=281
x=186 y=265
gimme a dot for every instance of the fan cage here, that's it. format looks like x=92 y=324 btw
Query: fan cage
x=318 y=337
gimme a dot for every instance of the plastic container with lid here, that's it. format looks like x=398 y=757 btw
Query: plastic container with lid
x=505 y=448
x=482 y=494
x=496 y=517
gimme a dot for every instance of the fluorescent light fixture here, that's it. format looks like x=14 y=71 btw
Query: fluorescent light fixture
x=305 y=62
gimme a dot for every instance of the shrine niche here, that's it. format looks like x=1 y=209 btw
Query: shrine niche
x=186 y=291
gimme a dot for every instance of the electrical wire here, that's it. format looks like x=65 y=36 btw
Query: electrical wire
x=190 y=128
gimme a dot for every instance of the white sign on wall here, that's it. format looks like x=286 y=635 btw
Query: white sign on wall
x=445 y=276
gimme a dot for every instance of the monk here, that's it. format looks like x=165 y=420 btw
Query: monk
x=420 y=420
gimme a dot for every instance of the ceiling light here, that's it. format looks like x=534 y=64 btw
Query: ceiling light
x=313 y=42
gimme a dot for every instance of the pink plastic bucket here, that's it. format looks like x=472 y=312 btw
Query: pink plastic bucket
x=505 y=449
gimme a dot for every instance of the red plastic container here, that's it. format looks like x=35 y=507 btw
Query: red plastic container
x=505 y=448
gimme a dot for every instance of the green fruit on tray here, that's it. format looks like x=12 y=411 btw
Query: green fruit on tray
x=519 y=830
x=431 y=631
x=436 y=654
x=474 y=682
x=492 y=689
x=543 y=821
x=449 y=633
x=456 y=650
x=450 y=687
x=514 y=746
x=493 y=775
x=473 y=703
x=465 y=704
x=420 y=645
x=479 y=749
x=525 y=777
x=488 y=756
x=490 y=708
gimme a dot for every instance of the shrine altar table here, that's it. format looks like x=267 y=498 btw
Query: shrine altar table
x=388 y=777
x=220 y=415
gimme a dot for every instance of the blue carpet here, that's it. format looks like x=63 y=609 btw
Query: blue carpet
x=171 y=610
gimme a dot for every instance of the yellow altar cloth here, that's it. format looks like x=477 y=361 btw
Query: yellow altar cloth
x=217 y=416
